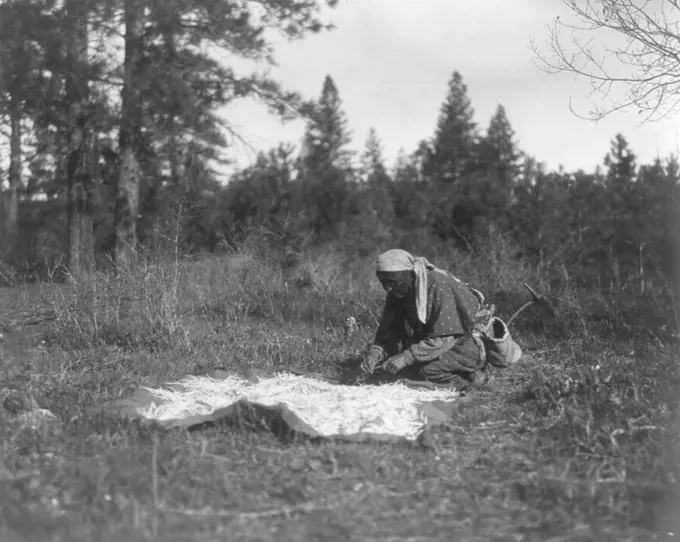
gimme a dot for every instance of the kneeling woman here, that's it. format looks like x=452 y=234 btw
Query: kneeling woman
x=426 y=330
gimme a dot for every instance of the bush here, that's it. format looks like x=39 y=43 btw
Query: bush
x=615 y=409
x=140 y=307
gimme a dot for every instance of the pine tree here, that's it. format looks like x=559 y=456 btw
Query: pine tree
x=81 y=159
x=374 y=199
x=327 y=162
x=492 y=180
x=620 y=227
x=400 y=167
x=127 y=197
x=23 y=26
x=620 y=162
x=172 y=90
x=327 y=135
x=657 y=186
x=409 y=192
x=372 y=161
x=500 y=150
x=452 y=151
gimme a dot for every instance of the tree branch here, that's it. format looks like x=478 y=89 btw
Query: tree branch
x=650 y=56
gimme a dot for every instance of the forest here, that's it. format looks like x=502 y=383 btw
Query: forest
x=114 y=147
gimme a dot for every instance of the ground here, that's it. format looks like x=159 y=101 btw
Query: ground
x=579 y=442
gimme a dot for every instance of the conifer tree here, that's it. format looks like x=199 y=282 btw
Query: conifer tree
x=327 y=163
x=499 y=150
x=129 y=180
x=327 y=136
x=22 y=85
x=453 y=147
x=400 y=168
x=411 y=200
x=81 y=159
x=619 y=230
x=176 y=88
x=620 y=162
x=372 y=161
x=492 y=180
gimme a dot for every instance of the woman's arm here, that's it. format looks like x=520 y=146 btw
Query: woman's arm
x=391 y=331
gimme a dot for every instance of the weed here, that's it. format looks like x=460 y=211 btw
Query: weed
x=577 y=442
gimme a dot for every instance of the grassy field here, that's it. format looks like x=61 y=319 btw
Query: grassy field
x=580 y=442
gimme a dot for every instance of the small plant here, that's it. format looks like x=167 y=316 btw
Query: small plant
x=138 y=305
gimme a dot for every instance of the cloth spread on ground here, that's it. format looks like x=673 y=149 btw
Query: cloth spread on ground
x=294 y=403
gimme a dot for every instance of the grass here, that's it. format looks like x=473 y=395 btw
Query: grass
x=579 y=442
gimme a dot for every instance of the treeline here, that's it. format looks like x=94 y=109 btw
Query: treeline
x=615 y=228
x=107 y=159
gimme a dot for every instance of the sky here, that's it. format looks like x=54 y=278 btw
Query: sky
x=391 y=61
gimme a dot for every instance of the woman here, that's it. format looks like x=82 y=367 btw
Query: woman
x=427 y=325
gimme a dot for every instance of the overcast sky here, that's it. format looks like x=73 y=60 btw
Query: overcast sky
x=392 y=59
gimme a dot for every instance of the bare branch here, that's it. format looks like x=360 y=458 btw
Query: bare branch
x=646 y=61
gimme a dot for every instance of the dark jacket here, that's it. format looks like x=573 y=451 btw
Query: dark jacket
x=451 y=308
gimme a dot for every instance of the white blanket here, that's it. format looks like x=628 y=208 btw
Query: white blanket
x=330 y=409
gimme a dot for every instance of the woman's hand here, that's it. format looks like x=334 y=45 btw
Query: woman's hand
x=396 y=363
x=372 y=359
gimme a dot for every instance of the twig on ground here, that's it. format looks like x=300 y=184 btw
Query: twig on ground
x=154 y=471
x=574 y=534
x=287 y=511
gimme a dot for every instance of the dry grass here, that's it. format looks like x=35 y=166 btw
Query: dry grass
x=580 y=442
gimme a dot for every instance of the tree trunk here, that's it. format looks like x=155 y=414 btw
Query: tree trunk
x=14 y=177
x=173 y=143
x=79 y=164
x=641 y=268
x=127 y=198
x=174 y=154
x=127 y=207
x=616 y=270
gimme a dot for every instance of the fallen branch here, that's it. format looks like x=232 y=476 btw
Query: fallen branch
x=286 y=511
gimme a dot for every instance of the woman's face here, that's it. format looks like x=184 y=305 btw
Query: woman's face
x=400 y=283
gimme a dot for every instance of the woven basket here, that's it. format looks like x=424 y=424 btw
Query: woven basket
x=501 y=350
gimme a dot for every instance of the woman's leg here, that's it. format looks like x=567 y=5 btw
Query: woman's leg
x=462 y=361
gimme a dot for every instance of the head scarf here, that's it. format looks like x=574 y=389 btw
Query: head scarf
x=400 y=260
